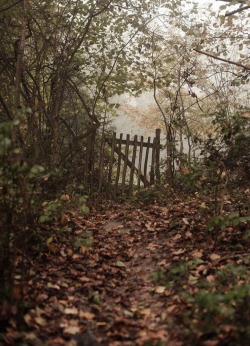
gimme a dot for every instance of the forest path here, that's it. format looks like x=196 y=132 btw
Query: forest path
x=99 y=281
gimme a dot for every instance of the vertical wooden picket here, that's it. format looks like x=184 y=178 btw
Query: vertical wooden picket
x=152 y=169
x=140 y=163
x=118 y=166
x=101 y=164
x=157 y=155
x=146 y=159
x=111 y=161
x=132 y=170
x=125 y=164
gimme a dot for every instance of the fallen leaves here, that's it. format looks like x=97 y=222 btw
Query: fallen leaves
x=107 y=273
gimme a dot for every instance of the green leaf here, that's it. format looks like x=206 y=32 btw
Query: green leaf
x=120 y=264
x=49 y=240
x=77 y=242
x=84 y=209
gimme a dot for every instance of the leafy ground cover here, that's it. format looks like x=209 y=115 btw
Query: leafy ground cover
x=157 y=274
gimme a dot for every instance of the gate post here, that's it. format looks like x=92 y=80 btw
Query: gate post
x=157 y=155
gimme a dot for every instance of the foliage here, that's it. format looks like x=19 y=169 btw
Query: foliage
x=225 y=313
x=218 y=223
x=22 y=205
x=151 y=195
x=18 y=201
x=224 y=164
x=218 y=308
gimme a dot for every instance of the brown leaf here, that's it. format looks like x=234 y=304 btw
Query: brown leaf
x=53 y=249
x=41 y=297
x=184 y=170
x=171 y=308
x=179 y=252
x=214 y=257
x=72 y=330
x=197 y=254
x=27 y=318
x=245 y=115
x=84 y=279
x=211 y=278
x=65 y=198
x=65 y=219
x=188 y=235
x=71 y=311
x=86 y=315
x=160 y=289
x=40 y=321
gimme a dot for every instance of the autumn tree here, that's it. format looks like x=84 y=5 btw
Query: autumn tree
x=61 y=62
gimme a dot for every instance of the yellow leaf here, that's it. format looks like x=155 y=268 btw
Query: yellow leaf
x=49 y=240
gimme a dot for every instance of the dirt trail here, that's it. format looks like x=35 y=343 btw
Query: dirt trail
x=119 y=277
x=98 y=279
x=139 y=298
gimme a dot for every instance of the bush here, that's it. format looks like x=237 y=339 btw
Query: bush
x=17 y=200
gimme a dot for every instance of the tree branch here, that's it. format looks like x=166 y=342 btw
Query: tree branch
x=237 y=11
x=10 y=6
x=245 y=67
x=6 y=109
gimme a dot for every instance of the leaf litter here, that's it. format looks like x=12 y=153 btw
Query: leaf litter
x=110 y=280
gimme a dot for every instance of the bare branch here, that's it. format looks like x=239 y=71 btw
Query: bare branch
x=6 y=109
x=245 y=67
x=10 y=6
x=237 y=11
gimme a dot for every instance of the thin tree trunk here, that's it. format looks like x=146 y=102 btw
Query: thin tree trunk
x=20 y=54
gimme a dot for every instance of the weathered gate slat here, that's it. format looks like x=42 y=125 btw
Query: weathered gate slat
x=157 y=155
x=140 y=163
x=125 y=164
x=146 y=158
x=132 y=170
x=111 y=161
x=118 y=165
x=152 y=170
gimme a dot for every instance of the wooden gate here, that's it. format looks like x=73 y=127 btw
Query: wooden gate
x=132 y=163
